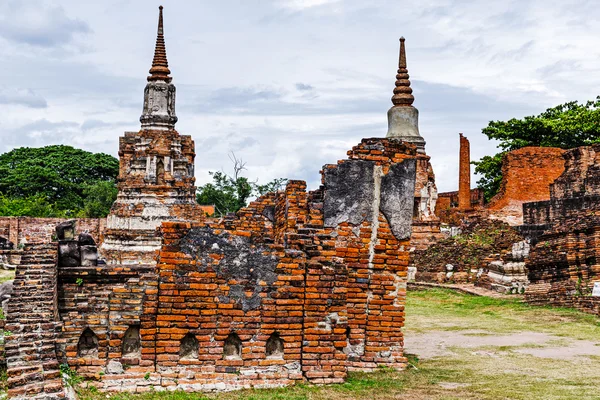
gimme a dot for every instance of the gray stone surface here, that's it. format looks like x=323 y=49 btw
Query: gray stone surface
x=114 y=367
x=159 y=106
x=349 y=193
x=403 y=123
x=397 y=194
x=68 y=253
x=89 y=256
x=66 y=230
x=248 y=263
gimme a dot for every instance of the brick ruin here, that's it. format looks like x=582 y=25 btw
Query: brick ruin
x=563 y=265
x=454 y=208
x=527 y=174
x=551 y=198
x=299 y=285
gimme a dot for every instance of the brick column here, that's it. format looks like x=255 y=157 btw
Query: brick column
x=464 y=175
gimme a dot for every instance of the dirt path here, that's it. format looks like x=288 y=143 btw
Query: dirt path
x=441 y=344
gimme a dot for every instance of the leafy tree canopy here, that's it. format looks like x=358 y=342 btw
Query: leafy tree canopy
x=57 y=181
x=565 y=126
x=229 y=193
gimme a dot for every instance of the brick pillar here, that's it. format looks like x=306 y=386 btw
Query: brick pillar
x=464 y=175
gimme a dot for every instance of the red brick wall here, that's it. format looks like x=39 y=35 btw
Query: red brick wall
x=526 y=177
x=41 y=230
x=335 y=295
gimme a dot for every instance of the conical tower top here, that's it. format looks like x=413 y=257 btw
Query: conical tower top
x=160 y=66
x=402 y=92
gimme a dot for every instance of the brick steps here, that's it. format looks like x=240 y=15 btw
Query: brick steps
x=33 y=368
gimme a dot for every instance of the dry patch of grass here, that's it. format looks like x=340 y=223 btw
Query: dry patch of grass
x=6 y=275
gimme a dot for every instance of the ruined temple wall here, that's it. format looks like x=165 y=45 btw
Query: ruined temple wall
x=108 y=301
x=42 y=230
x=447 y=206
x=527 y=174
x=426 y=223
x=563 y=267
x=564 y=264
x=323 y=273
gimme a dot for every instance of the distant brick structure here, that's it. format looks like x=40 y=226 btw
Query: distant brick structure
x=464 y=174
x=455 y=208
x=526 y=176
x=297 y=286
x=21 y=230
x=563 y=266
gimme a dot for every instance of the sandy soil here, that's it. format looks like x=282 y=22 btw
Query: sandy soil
x=440 y=343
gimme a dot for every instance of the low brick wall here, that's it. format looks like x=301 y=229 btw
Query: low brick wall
x=41 y=230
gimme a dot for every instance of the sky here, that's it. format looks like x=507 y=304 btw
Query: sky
x=290 y=85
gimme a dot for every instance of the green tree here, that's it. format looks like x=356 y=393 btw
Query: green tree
x=35 y=206
x=99 y=198
x=229 y=193
x=55 y=175
x=275 y=185
x=565 y=126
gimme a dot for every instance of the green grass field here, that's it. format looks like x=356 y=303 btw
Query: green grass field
x=467 y=348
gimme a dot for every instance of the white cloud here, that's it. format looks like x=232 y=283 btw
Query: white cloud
x=304 y=4
x=292 y=84
x=23 y=97
x=37 y=23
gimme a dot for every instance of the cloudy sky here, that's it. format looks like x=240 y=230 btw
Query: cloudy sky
x=289 y=85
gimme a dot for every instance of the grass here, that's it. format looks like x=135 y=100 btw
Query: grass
x=475 y=372
x=6 y=275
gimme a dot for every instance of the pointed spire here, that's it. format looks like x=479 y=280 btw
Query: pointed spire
x=160 y=67
x=402 y=92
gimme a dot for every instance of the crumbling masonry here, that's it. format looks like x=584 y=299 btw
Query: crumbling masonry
x=298 y=285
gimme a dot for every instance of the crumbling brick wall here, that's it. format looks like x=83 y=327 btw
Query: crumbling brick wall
x=298 y=285
x=526 y=177
x=447 y=206
x=41 y=230
x=33 y=323
x=563 y=265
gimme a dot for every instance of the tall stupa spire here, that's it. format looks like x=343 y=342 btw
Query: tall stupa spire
x=403 y=118
x=160 y=66
x=402 y=92
x=159 y=95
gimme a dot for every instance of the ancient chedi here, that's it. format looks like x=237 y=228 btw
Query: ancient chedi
x=156 y=177
x=403 y=124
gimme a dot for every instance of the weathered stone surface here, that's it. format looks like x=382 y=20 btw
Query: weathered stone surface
x=66 y=230
x=349 y=193
x=397 y=195
x=114 y=367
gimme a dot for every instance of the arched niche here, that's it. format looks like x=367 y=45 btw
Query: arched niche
x=88 y=344
x=274 y=347
x=189 y=347
x=132 y=346
x=232 y=348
